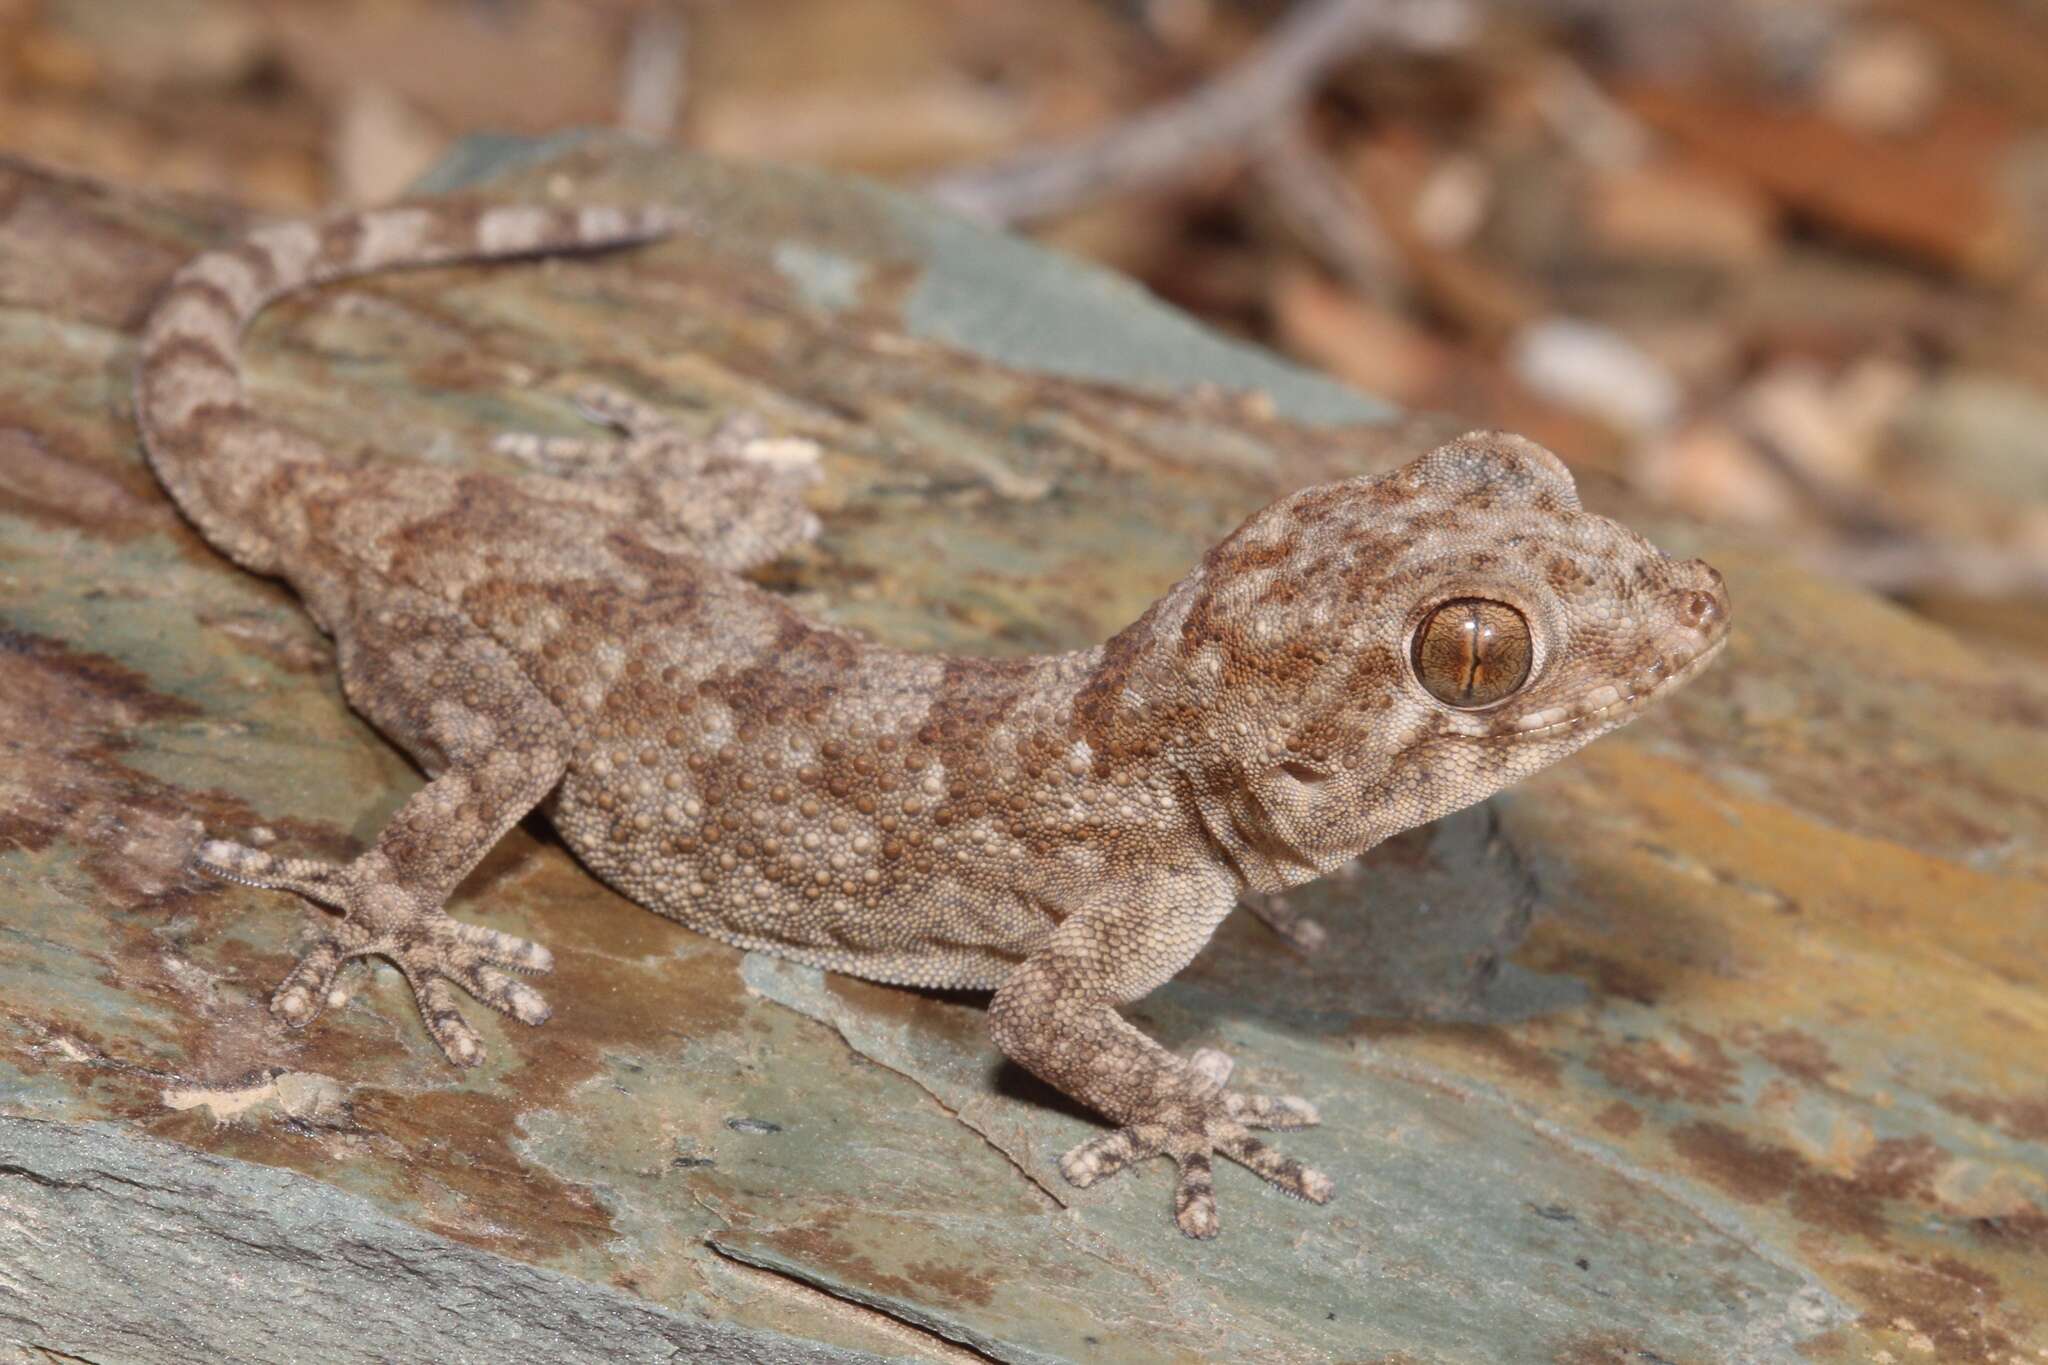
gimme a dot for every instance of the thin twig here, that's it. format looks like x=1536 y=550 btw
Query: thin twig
x=1326 y=213
x=651 y=78
x=1220 y=120
x=1905 y=564
x=1874 y=547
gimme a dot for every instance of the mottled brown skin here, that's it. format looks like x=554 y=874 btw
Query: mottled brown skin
x=1067 y=830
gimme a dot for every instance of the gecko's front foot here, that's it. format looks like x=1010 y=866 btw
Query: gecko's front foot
x=1191 y=1129
x=382 y=917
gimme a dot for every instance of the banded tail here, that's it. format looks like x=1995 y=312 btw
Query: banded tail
x=214 y=453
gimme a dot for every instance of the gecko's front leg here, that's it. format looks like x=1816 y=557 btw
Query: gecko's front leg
x=1056 y=1017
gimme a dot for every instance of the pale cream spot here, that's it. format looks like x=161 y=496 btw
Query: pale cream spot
x=1604 y=695
x=1537 y=720
x=291 y=247
x=392 y=235
x=601 y=222
x=230 y=275
x=194 y=315
x=188 y=385
x=513 y=228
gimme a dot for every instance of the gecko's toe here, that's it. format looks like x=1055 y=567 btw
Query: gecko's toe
x=1270 y=1111
x=1308 y=935
x=293 y=1006
x=562 y=456
x=1105 y=1155
x=506 y=993
x=603 y=405
x=505 y=950
x=1212 y=1065
x=1303 y=1182
x=308 y=987
x=225 y=858
x=324 y=883
x=1194 y=1198
x=458 y=1040
x=239 y=863
x=1195 y=1213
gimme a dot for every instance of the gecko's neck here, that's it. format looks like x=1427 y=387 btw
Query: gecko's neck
x=1070 y=718
x=1163 y=707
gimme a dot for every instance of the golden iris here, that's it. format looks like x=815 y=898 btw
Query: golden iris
x=1472 y=652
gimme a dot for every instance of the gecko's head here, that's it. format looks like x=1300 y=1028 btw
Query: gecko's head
x=1386 y=650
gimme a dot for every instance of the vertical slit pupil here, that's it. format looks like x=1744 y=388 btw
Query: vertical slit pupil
x=1472 y=652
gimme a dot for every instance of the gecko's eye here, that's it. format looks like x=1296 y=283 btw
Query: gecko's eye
x=1471 y=652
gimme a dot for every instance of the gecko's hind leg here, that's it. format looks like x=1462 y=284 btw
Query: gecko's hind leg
x=649 y=443
x=734 y=497
x=642 y=437
x=457 y=702
x=615 y=408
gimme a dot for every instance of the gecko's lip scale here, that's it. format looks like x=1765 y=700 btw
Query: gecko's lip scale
x=1615 y=702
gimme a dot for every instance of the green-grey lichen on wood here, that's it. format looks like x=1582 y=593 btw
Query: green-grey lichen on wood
x=1763 y=1083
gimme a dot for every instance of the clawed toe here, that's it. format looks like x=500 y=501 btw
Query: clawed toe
x=561 y=455
x=437 y=1007
x=1194 y=1197
x=1303 y=1182
x=606 y=406
x=505 y=993
x=1270 y=1111
x=245 y=866
x=1109 y=1153
x=306 y=989
x=1212 y=1065
x=507 y=950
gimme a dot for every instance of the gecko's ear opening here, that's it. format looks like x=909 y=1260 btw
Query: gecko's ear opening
x=1500 y=464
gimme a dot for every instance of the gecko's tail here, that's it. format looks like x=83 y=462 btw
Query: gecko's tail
x=220 y=459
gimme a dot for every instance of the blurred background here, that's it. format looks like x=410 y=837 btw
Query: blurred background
x=1778 y=264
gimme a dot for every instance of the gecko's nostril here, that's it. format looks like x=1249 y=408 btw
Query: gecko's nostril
x=1705 y=609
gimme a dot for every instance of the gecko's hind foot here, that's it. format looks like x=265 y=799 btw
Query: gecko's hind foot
x=649 y=442
x=381 y=918
x=1192 y=1131
x=610 y=407
x=1278 y=914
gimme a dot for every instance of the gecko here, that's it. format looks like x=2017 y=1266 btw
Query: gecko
x=1064 y=830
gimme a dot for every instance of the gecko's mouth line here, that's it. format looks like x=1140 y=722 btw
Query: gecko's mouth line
x=1641 y=689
